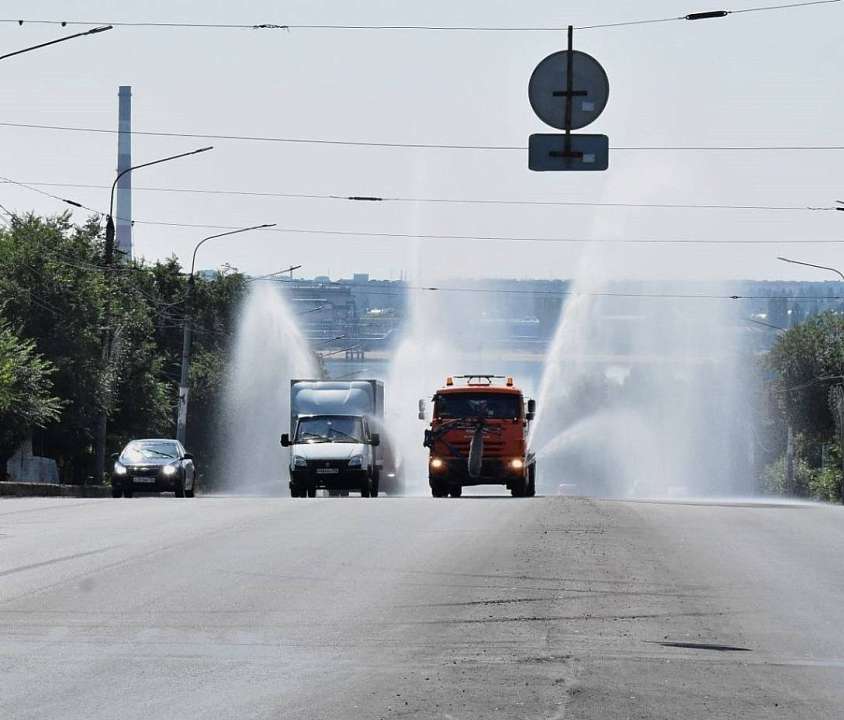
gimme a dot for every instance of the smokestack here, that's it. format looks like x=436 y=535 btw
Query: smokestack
x=124 y=185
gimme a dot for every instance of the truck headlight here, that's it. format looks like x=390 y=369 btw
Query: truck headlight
x=169 y=470
x=517 y=464
x=299 y=461
x=437 y=463
x=356 y=461
x=119 y=469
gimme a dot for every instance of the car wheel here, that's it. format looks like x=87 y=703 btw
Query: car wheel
x=116 y=491
x=456 y=491
x=128 y=491
x=180 y=488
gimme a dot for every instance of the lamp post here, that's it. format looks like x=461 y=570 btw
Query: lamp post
x=819 y=267
x=93 y=31
x=108 y=261
x=182 y=418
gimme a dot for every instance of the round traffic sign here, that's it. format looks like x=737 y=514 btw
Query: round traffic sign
x=547 y=87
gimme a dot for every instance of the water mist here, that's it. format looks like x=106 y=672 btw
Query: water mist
x=268 y=351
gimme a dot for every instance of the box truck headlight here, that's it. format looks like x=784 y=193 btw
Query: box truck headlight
x=299 y=461
x=356 y=461
x=517 y=464
x=119 y=469
x=437 y=463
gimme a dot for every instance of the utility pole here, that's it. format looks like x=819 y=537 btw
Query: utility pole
x=101 y=430
x=187 y=333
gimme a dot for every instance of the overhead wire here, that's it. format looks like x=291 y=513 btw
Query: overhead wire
x=415 y=145
x=439 y=200
x=407 y=27
x=435 y=236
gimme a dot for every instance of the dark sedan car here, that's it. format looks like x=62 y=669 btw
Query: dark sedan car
x=153 y=465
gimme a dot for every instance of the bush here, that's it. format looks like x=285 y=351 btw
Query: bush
x=825 y=484
x=773 y=480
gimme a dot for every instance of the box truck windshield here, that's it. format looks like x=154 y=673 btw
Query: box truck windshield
x=329 y=428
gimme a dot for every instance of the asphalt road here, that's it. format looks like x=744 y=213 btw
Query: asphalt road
x=225 y=607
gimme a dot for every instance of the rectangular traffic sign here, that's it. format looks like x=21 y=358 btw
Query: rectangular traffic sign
x=587 y=152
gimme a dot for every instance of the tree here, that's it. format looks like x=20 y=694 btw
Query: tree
x=26 y=400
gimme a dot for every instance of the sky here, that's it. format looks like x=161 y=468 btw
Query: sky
x=769 y=78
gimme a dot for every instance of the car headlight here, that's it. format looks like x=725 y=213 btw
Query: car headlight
x=299 y=461
x=170 y=470
x=356 y=461
x=517 y=463
x=119 y=469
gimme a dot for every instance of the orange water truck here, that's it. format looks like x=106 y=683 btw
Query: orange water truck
x=478 y=436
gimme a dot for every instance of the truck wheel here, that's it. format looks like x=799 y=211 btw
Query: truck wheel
x=456 y=491
x=531 y=485
x=518 y=488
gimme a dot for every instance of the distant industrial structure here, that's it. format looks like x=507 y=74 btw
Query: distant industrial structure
x=124 y=184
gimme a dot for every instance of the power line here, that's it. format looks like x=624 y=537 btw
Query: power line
x=501 y=238
x=428 y=28
x=434 y=236
x=435 y=200
x=418 y=146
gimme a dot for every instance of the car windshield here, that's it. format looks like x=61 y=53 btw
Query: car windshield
x=485 y=405
x=333 y=428
x=140 y=451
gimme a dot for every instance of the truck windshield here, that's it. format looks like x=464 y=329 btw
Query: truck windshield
x=485 y=405
x=329 y=428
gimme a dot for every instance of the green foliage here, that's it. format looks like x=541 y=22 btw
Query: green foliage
x=774 y=482
x=55 y=291
x=26 y=400
x=825 y=484
x=807 y=360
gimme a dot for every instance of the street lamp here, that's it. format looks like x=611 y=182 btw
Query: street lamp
x=93 y=31
x=820 y=267
x=182 y=419
x=102 y=420
x=109 y=243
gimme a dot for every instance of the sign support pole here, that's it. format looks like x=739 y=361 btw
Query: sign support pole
x=569 y=90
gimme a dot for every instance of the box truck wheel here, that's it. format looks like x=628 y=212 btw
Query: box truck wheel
x=373 y=484
x=456 y=491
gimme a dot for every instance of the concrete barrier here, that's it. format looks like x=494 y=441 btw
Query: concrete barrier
x=24 y=489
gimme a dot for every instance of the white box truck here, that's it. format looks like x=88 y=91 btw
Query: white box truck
x=336 y=441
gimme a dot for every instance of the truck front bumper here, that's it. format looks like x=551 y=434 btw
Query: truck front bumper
x=343 y=479
x=493 y=472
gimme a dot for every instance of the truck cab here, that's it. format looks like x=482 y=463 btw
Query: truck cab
x=333 y=452
x=478 y=436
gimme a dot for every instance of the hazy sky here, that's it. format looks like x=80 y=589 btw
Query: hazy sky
x=751 y=79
